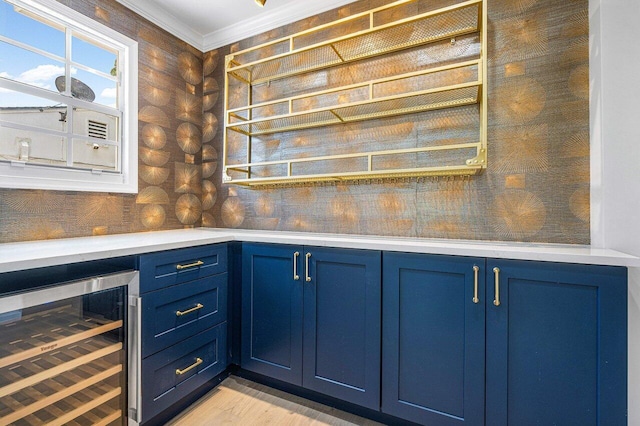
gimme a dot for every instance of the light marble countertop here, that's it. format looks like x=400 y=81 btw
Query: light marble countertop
x=36 y=254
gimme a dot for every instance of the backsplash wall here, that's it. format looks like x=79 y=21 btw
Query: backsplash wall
x=169 y=130
x=536 y=186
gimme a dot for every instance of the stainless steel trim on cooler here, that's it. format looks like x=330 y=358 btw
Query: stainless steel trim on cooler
x=135 y=359
x=68 y=290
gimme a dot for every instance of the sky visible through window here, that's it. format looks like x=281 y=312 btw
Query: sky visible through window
x=41 y=71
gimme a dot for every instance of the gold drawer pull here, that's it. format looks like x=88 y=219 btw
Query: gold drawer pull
x=475 y=284
x=188 y=311
x=189 y=368
x=190 y=265
x=306 y=267
x=296 y=277
x=496 y=272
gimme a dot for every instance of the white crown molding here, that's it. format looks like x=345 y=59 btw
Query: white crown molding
x=165 y=20
x=268 y=20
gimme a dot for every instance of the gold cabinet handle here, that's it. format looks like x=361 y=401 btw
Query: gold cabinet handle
x=189 y=368
x=476 y=269
x=496 y=273
x=296 y=277
x=190 y=265
x=188 y=311
x=306 y=267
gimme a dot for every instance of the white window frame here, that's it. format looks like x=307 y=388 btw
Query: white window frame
x=21 y=175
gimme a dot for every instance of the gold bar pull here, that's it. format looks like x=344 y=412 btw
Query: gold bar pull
x=189 y=368
x=296 y=277
x=188 y=311
x=496 y=272
x=306 y=266
x=475 y=284
x=190 y=265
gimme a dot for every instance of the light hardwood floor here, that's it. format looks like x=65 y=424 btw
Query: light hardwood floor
x=237 y=401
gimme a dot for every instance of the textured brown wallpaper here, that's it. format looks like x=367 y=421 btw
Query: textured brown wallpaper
x=536 y=187
x=170 y=132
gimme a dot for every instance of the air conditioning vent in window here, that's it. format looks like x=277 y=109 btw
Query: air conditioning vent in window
x=97 y=129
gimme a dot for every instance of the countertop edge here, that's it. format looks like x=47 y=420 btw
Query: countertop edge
x=37 y=254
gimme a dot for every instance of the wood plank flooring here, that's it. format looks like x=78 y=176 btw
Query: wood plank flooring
x=237 y=401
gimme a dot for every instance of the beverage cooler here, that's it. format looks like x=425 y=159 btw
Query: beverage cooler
x=67 y=353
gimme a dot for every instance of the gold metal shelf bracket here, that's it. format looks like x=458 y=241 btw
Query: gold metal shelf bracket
x=478 y=160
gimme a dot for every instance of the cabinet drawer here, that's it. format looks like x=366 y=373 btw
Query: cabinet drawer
x=176 y=313
x=160 y=270
x=172 y=374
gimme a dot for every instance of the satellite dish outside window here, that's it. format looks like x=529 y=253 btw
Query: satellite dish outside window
x=79 y=89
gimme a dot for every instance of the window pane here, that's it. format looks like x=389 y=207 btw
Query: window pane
x=93 y=55
x=37 y=33
x=20 y=108
x=41 y=58
x=105 y=90
x=96 y=124
x=32 y=147
x=90 y=155
x=30 y=68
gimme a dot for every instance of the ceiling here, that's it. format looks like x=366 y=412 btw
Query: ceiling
x=209 y=24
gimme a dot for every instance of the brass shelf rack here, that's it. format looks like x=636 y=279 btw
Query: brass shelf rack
x=289 y=56
x=67 y=375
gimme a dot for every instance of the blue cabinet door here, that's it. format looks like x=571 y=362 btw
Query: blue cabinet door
x=342 y=303
x=433 y=349
x=556 y=344
x=272 y=311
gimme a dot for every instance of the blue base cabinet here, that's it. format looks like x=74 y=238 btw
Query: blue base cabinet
x=163 y=328
x=172 y=374
x=184 y=324
x=506 y=343
x=311 y=317
x=556 y=344
x=433 y=350
x=342 y=316
x=271 y=312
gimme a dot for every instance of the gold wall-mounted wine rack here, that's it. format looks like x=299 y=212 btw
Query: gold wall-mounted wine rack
x=458 y=83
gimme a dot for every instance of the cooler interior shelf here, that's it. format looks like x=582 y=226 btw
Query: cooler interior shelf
x=68 y=372
x=26 y=338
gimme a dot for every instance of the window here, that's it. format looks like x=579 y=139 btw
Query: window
x=68 y=101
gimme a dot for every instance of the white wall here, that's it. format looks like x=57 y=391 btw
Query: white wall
x=615 y=110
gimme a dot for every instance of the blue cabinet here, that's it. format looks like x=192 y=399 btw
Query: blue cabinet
x=184 y=324
x=175 y=313
x=433 y=338
x=342 y=315
x=172 y=374
x=271 y=312
x=171 y=267
x=311 y=317
x=554 y=337
x=556 y=344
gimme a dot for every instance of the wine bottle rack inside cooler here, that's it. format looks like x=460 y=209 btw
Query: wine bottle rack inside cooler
x=64 y=362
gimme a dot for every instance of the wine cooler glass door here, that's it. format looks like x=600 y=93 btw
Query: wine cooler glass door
x=63 y=354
